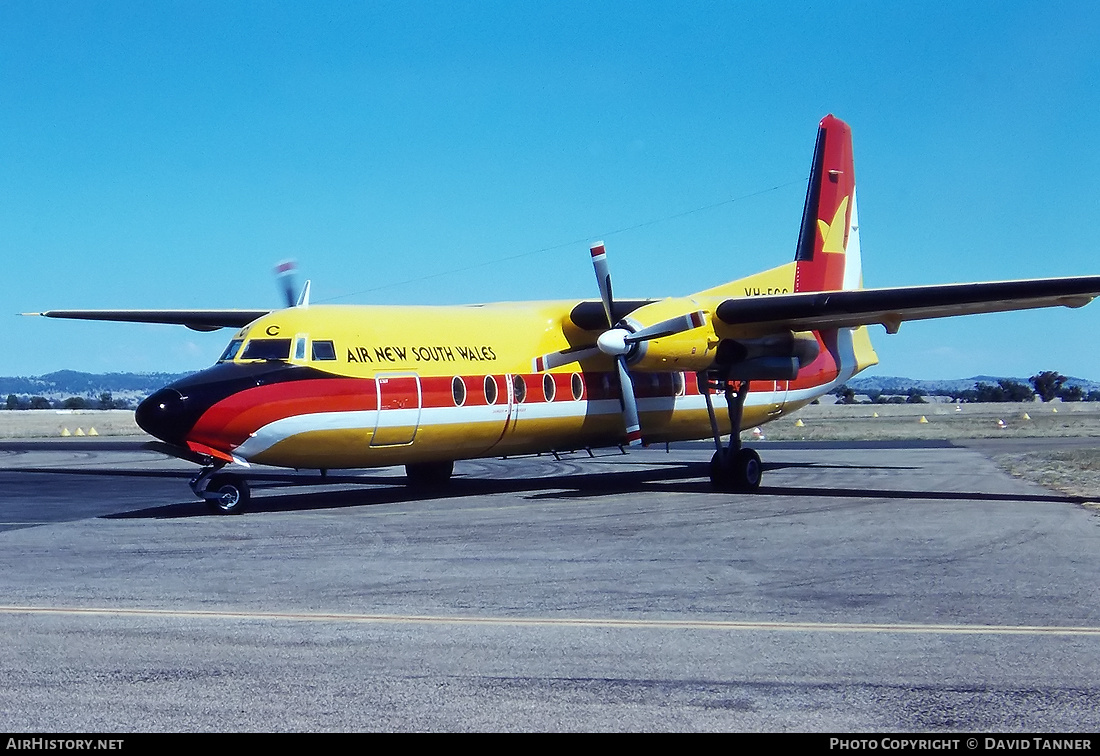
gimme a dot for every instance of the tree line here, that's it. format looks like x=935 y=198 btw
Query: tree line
x=1047 y=385
x=105 y=402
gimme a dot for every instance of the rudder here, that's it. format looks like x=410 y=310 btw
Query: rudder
x=827 y=257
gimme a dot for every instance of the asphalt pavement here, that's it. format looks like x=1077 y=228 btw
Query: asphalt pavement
x=864 y=588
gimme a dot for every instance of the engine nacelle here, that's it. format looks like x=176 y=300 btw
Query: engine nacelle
x=776 y=357
x=762 y=369
x=688 y=351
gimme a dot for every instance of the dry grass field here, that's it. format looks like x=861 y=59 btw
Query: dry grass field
x=53 y=423
x=851 y=422
x=1072 y=471
x=1075 y=471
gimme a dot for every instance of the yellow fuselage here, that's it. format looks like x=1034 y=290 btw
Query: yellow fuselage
x=330 y=386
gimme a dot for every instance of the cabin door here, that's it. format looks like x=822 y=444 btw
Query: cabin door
x=399 y=404
x=504 y=411
x=777 y=398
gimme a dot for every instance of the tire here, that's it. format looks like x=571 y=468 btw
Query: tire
x=227 y=494
x=739 y=471
x=721 y=471
x=748 y=470
x=428 y=474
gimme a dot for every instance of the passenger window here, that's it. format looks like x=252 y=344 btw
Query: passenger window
x=548 y=387
x=324 y=350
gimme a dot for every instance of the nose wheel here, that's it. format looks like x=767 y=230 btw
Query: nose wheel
x=224 y=493
x=227 y=494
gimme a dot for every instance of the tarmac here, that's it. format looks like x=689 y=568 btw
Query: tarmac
x=883 y=587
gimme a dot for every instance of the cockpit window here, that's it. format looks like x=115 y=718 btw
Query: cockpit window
x=231 y=350
x=267 y=349
x=324 y=350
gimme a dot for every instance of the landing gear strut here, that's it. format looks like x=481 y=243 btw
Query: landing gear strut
x=733 y=467
x=224 y=493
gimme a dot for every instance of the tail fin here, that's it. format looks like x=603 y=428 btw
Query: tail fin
x=827 y=258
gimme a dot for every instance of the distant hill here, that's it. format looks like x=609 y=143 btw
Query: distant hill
x=65 y=383
x=890 y=384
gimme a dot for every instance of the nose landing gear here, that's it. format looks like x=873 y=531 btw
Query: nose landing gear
x=224 y=493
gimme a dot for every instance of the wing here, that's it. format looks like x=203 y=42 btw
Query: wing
x=197 y=320
x=816 y=310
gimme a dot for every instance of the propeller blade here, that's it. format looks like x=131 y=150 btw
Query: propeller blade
x=630 y=405
x=612 y=342
x=603 y=280
x=668 y=327
x=564 y=357
x=286 y=273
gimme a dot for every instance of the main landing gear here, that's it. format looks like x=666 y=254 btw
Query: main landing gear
x=422 y=475
x=224 y=493
x=733 y=467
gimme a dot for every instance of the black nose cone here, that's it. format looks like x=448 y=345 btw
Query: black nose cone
x=166 y=415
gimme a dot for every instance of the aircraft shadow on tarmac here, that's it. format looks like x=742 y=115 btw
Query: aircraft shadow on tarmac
x=272 y=492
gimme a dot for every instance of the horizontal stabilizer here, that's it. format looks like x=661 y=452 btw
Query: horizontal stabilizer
x=891 y=306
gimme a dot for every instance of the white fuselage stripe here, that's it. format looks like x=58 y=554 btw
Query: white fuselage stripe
x=272 y=433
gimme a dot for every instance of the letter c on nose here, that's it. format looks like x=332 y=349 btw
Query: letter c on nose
x=273 y=330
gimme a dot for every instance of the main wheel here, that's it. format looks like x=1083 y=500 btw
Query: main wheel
x=428 y=474
x=227 y=494
x=736 y=471
x=748 y=470
x=721 y=471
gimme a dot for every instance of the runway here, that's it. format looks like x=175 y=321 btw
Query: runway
x=873 y=587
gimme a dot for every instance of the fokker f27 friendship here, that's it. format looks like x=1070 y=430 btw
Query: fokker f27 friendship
x=330 y=386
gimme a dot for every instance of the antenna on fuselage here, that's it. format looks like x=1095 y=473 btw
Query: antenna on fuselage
x=303 y=298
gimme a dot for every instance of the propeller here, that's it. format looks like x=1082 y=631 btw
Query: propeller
x=619 y=342
x=614 y=343
x=286 y=273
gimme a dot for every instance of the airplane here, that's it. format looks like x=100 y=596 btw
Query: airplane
x=349 y=386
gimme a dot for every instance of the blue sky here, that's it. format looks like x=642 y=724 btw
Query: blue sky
x=169 y=154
